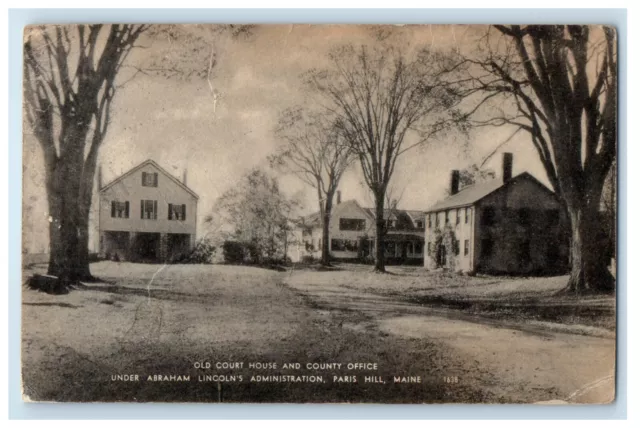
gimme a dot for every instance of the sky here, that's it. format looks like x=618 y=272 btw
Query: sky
x=219 y=128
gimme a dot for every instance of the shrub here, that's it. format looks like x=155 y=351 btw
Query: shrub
x=307 y=259
x=233 y=251
x=202 y=253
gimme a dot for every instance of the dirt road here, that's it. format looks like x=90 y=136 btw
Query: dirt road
x=522 y=362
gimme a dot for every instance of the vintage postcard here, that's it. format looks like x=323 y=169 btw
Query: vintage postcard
x=319 y=213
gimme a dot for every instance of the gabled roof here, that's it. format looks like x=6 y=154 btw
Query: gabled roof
x=404 y=217
x=472 y=194
x=154 y=164
x=314 y=219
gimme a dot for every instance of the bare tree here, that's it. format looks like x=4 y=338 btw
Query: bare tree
x=475 y=173
x=313 y=150
x=558 y=84
x=259 y=215
x=70 y=81
x=69 y=85
x=380 y=97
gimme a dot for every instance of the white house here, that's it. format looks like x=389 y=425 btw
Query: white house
x=147 y=214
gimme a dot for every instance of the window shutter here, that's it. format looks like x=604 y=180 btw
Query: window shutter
x=155 y=179
x=184 y=212
x=141 y=208
x=113 y=208
x=144 y=176
x=126 y=209
x=155 y=210
x=170 y=215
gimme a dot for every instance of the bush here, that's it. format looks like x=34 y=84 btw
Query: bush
x=233 y=251
x=307 y=259
x=201 y=254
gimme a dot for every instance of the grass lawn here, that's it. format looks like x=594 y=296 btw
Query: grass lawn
x=161 y=320
x=530 y=299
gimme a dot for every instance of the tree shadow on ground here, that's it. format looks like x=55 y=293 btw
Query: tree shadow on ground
x=149 y=293
x=60 y=304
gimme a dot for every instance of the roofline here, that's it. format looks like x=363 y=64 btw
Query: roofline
x=522 y=174
x=152 y=162
x=366 y=211
x=450 y=207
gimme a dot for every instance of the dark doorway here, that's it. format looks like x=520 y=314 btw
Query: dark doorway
x=178 y=246
x=114 y=245
x=146 y=247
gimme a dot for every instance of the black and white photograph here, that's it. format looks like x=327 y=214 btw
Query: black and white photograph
x=335 y=213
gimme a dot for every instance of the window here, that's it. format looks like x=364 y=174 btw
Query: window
x=177 y=212
x=486 y=247
x=120 y=209
x=417 y=247
x=150 y=179
x=446 y=217
x=458 y=215
x=437 y=219
x=488 y=216
x=351 y=224
x=148 y=209
x=429 y=219
x=344 y=245
x=467 y=213
x=456 y=247
x=419 y=224
x=524 y=216
x=466 y=247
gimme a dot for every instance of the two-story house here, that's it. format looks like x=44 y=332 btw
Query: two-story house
x=147 y=214
x=506 y=225
x=352 y=234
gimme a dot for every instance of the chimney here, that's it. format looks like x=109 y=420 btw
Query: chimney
x=455 y=181
x=507 y=166
x=184 y=177
x=338 y=197
x=99 y=177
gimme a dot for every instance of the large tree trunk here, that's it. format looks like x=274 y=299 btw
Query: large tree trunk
x=326 y=219
x=69 y=189
x=64 y=260
x=380 y=227
x=589 y=255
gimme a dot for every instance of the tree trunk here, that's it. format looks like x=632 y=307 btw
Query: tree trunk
x=380 y=226
x=82 y=255
x=589 y=271
x=69 y=203
x=63 y=233
x=56 y=259
x=326 y=219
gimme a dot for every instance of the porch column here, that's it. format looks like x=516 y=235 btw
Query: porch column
x=162 y=251
x=131 y=250
x=101 y=252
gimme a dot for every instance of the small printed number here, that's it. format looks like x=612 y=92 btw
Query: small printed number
x=450 y=379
